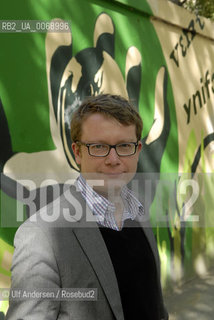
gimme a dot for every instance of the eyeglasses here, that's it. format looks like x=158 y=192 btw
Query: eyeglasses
x=103 y=150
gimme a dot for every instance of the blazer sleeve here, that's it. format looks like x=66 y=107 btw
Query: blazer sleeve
x=34 y=267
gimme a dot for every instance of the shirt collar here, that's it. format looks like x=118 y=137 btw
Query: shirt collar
x=104 y=210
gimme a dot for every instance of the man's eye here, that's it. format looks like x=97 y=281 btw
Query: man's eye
x=125 y=145
x=99 y=146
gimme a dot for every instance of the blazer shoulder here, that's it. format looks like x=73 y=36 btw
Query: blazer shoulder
x=66 y=210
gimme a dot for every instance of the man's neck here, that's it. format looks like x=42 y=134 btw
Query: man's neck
x=118 y=214
x=116 y=199
x=113 y=195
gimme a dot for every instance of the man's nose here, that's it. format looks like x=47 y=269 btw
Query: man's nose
x=112 y=158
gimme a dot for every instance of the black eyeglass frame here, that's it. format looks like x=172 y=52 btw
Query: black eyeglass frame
x=110 y=147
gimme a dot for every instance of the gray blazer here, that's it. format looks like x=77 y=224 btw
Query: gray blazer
x=67 y=254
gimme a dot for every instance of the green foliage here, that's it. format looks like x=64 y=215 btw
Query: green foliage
x=203 y=8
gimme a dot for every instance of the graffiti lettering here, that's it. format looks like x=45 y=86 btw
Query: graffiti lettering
x=201 y=24
x=185 y=40
x=200 y=97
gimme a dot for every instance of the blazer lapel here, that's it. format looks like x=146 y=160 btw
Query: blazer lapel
x=94 y=246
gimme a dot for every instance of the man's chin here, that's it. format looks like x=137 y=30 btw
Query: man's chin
x=123 y=177
x=108 y=182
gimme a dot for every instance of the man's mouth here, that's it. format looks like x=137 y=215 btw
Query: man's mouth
x=112 y=173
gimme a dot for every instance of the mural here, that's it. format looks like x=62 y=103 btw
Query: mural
x=190 y=236
x=112 y=49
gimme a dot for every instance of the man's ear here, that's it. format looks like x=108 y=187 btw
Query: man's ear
x=139 y=148
x=77 y=152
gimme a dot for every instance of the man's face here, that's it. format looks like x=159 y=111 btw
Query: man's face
x=113 y=168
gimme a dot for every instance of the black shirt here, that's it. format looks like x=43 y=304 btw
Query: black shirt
x=135 y=269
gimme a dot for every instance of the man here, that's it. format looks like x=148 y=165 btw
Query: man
x=97 y=238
